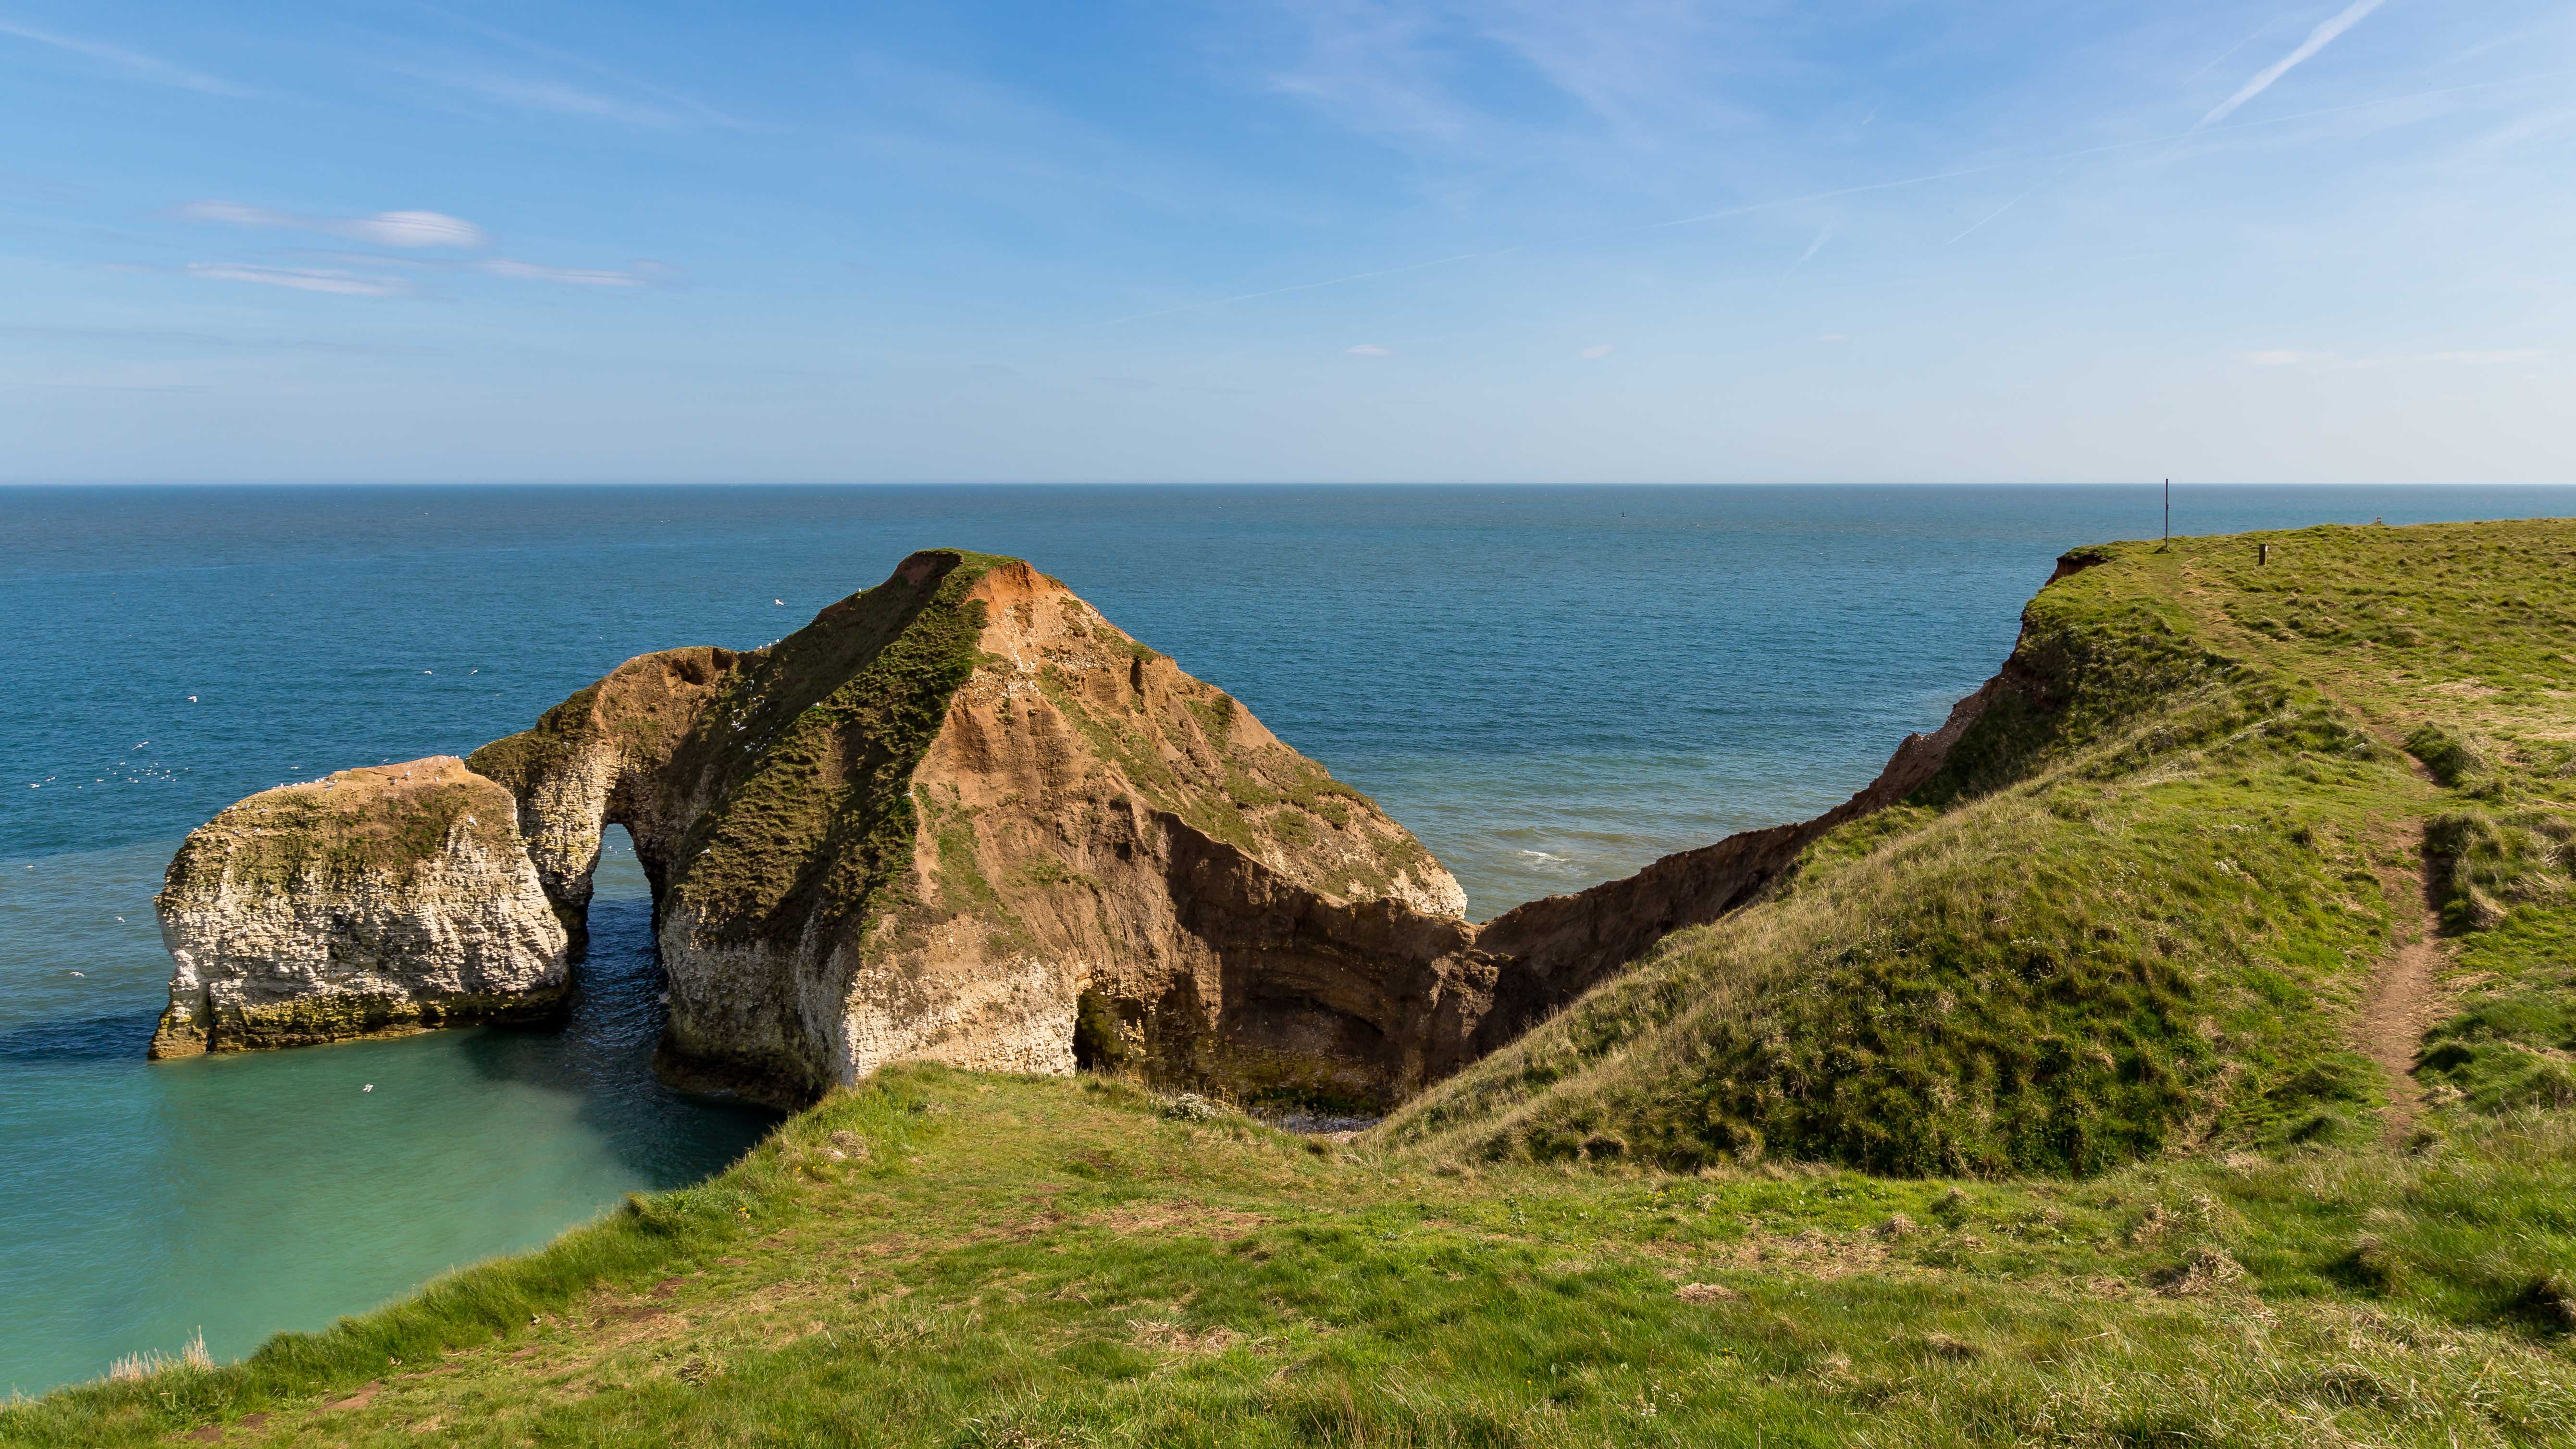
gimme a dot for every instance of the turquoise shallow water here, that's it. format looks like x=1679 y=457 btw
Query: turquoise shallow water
x=1551 y=686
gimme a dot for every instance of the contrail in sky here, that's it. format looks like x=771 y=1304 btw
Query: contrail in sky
x=2318 y=39
x=143 y=66
x=2223 y=55
x=1276 y=292
x=1755 y=207
x=2007 y=206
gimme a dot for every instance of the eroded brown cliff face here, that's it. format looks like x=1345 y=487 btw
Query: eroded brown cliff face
x=961 y=817
x=1550 y=951
x=929 y=824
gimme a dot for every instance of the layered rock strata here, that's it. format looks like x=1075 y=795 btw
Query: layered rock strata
x=376 y=901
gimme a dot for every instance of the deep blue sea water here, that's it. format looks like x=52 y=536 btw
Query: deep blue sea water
x=1551 y=686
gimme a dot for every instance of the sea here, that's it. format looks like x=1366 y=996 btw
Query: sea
x=1551 y=686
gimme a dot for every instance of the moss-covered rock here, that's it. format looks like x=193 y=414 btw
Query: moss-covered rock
x=932 y=820
x=379 y=900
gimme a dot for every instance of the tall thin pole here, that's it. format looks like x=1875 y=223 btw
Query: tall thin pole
x=2168 y=513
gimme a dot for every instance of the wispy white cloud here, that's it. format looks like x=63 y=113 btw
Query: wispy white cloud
x=1834 y=337
x=2216 y=60
x=2488 y=359
x=1405 y=71
x=1368 y=65
x=303 y=279
x=148 y=338
x=2549 y=121
x=2318 y=39
x=1596 y=351
x=1823 y=235
x=1751 y=208
x=558 y=97
x=548 y=96
x=134 y=63
x=384 y=228
x=634 y=274
x=1369 y=349
x=1643 y=66
x=961 y=134
x=408 y=230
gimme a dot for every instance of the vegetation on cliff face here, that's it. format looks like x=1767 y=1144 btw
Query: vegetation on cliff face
x=2137 y=911
x=805 y=751
x=1266 y=802
x=809 y=751
x=372 y=826
x=877 y=811
x=2106 y=1011
x=385 y=899
x=555 y=739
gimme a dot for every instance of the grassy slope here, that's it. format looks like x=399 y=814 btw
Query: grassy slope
x=815 y=746
x=2138 y=922
x=1000 y=1261
x=1004 y=1262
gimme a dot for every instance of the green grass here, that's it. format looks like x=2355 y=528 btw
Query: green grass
x=282 y=840
x=2035 y=1110
x=945 y=1259
x=2134 y=914
x=558 y=736
x=809 y=752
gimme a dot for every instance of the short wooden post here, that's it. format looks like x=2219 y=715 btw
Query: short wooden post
x=2262 y=554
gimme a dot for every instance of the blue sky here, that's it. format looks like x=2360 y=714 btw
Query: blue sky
x=1633 y=240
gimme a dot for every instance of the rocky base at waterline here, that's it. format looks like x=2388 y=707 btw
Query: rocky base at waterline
x=376 y=901
x=962 y=818
x=959 y=817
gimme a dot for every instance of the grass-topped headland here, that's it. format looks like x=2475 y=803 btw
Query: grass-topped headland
x=946 y=1258
x=2138 y=911
x=2185 y=1061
